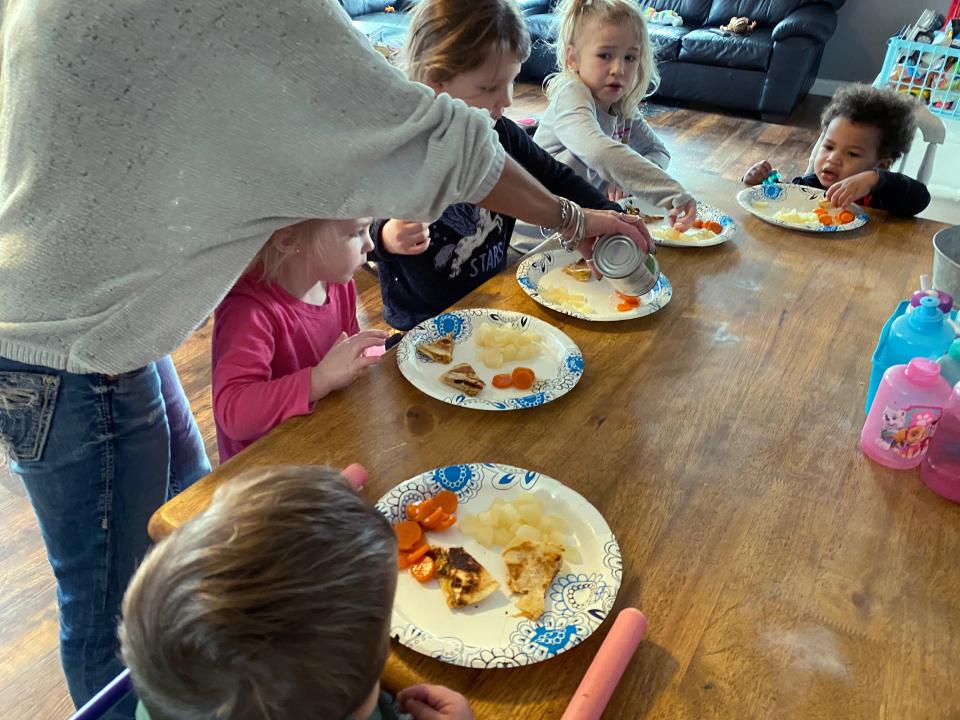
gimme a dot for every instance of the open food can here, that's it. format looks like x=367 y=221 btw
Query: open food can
x=629 y=269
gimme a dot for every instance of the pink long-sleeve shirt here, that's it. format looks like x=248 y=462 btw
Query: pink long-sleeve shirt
x=265 y=342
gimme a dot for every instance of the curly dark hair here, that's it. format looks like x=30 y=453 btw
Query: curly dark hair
x=884 y=109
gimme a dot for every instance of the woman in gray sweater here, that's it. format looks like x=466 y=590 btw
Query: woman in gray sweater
x=148 y=151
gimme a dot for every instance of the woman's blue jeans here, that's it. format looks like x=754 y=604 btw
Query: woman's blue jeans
x=97 y=455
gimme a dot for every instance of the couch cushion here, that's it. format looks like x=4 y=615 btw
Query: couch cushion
x=766 y=12
x=710 y=46
x=693 y=12
x=542 y=27
x=666 y=41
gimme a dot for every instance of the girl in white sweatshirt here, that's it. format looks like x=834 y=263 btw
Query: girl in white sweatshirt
x=592 y=122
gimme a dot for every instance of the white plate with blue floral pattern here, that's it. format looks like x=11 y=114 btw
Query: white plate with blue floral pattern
x=541 y=276
x=661 y=232
x=558 y=367
x=765 y=201
x=490 y=634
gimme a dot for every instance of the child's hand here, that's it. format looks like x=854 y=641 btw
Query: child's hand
x=758 y=173
x=615 y=194
x=434 y=702
x=682 y=217
x=403 y=237
x=843 y=192
x=344 y=362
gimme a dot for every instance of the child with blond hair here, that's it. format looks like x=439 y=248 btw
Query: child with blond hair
x=274 y=602
x=471 y=51
x=286 y=335
x=592 y=122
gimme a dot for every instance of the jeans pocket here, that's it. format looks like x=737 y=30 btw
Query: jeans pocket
x=26 y=411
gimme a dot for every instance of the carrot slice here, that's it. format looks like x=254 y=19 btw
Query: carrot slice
x=430 y=522
x=448 y=522
x=714 y=227
x=826 y=220
x=845 y=217
x=821 y=211
x=424 y=570
x=408 y=533
x=523 y=378
x=625 y=307
x=402 y=562
x=631 y=299
x=698 y=223
x=417 y=554
x=424 y=510
x=503 y=380
x=412 y=510
x=447 y=499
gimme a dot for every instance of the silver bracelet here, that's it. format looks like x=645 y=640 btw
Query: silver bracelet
x=572 y=224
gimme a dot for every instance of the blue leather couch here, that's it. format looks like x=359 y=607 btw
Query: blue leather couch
x=767 y=71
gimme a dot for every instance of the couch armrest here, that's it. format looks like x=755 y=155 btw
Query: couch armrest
x=814 y=21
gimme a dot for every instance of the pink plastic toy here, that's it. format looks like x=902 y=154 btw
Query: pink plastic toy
x=356 y=474
x=904 y=414
x=601 y=678
x=940 y=470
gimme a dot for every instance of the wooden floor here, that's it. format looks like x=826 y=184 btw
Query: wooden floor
x=31 y=682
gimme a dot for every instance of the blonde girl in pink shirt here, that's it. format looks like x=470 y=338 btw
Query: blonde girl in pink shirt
x=286 y=335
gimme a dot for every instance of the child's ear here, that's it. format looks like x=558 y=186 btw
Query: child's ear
x=885 y=164
x=435 y=85
x=284 y=240
x=571 y=59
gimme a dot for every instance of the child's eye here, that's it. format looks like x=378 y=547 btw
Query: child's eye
x=603 y=56
x=631 y=58
x=854 y=154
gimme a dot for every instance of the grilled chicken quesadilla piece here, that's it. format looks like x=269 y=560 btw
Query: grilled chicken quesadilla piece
x=531 y=567
x=464 y=581
x=464 y=378
x=440 y=350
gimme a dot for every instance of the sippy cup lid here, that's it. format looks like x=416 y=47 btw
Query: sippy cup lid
x=923 y=372
x=927 y=314
x=954 y=350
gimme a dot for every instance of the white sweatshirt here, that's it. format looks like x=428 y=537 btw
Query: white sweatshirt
x=149 y=149
x=605 y=148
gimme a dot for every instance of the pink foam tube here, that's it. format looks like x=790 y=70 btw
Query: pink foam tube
x=356 y=474
x=601 y=678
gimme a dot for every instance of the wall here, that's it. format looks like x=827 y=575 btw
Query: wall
x=856 y=51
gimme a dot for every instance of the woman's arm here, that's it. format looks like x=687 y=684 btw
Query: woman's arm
x=519 y=195
x=578 y=130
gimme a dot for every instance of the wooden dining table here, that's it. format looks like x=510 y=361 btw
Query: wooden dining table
x=783 y=574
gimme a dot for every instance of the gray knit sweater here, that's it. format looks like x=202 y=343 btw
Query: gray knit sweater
x=605 y=148
x=149 y=149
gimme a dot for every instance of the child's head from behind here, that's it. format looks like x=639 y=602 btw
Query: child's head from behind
x=469 y=49
x=274 y=602
x=864 y=128
x=606 y=45
x=326 y=250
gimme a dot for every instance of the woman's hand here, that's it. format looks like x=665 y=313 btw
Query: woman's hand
x=616 y=194
x=344 y=362
x=847 y=191
x=606 y=222
x=758 y=173
x=433 y=702
x=682 y=217
x=403 y=237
